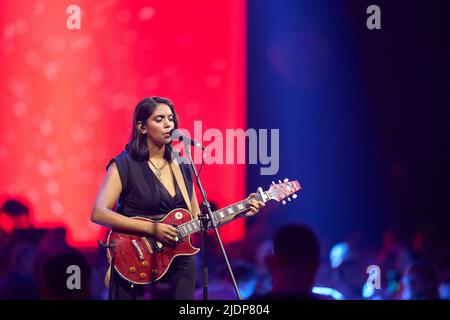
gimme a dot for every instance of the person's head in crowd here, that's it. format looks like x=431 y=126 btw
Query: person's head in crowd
x=23 y=257
x=21 y=281
x=419 y=282
x=443 y=266
x=53 y=241
x=444 y=289
x=246 y=278
x=65 y=276
x=348 y=270
x=351 y=276
x=262 y=252
x=294 y=262
x=14 y=214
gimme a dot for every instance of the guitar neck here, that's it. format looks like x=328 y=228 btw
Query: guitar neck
x=236 y=208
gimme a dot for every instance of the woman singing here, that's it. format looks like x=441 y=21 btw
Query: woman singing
x=145 y=181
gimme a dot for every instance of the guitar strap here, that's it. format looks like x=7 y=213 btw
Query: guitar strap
x=180 y=180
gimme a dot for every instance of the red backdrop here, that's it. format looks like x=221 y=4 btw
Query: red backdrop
x=67 y=96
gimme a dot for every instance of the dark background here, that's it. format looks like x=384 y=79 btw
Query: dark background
x=362 y=113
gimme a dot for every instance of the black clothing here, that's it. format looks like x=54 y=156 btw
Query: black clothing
x=177 y=284
x=144 y=195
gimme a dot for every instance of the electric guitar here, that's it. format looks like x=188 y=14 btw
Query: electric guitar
x=142 y=259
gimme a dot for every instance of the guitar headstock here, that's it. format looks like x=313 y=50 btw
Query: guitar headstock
x=282 y=190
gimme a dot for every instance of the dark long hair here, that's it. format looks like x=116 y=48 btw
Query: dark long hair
x=137 y=146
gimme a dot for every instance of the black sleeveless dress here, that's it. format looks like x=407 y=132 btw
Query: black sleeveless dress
x=144 y=195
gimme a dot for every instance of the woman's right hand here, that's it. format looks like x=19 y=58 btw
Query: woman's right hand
x=163 y=232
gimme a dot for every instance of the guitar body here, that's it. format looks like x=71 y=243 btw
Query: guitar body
x=141 y=259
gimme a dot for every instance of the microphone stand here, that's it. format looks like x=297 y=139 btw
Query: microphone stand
x=205 y=217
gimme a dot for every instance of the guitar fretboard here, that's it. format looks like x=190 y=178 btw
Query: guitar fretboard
x=195 y=225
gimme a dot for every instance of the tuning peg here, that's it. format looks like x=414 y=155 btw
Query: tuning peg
x=294 y=196
x=273 y=182
x=279 y=181
x=285 y=180
x=289 y=198
x=283 y=202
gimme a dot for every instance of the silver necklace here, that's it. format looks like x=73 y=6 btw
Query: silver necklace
x=158 y=170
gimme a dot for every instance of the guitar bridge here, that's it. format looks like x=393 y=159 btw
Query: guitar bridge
x=138 y=249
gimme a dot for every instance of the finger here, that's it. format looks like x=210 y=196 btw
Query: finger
x=172 y=233
x=250 y=213
x=256 y=205
x=175 y=238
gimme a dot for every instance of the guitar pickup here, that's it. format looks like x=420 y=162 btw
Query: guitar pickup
x=179 y=238
x=156 y=245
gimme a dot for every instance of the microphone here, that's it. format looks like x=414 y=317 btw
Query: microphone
x=177 y=135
